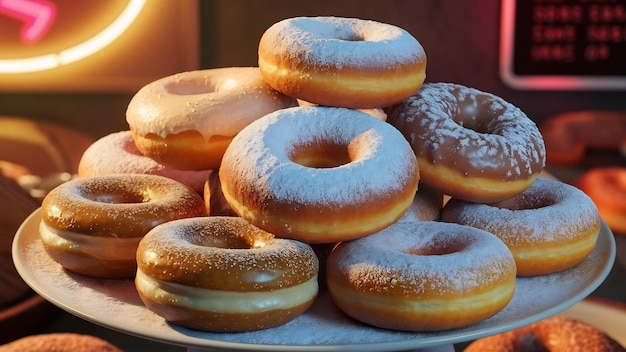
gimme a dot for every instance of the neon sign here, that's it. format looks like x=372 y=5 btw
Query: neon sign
x=38 y=17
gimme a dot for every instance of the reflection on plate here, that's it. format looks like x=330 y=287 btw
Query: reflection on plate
x=605 y=315
x=116 y=305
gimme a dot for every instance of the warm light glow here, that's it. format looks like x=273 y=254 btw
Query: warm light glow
x=80 y=51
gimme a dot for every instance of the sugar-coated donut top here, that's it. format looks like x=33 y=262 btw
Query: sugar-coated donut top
x=335 y=41
x=470 y=130
x=425 y=257
x=214 y=102
x=116 y=153
x=546 y=211
x=225 y=253
x=261 y=153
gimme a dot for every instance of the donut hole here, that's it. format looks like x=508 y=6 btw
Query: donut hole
x=321 y=154
x=232 y=239
x=526 y=202
x=119 y=198
x=438 y=246
x=187 y=86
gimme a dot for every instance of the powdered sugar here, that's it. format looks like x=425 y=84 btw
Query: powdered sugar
x=261 y=153
x=424 y=259
x=334 y=42
x=549 y=211
x=475 y=132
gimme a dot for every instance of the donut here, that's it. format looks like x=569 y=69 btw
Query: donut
x=59 y=342
x=92 y=226
x=470 y=144
x=569 y=136
x=553 y=334
x=216 y=204
x=549 y=227
x=422 y=276
x=313 y=174
x=426 y=205
x=187 y=120
x=223 y=274
x=343 y=62
x=116 y=153
x=606 y=186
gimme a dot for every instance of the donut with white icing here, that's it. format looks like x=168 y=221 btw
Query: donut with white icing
x=187 y=120
x=470 y=144
x=343 y=62
x=116 y=153
x=549 y=227
x=92 y=226
x=319 y=174
x=422 y=276
x=223 y=274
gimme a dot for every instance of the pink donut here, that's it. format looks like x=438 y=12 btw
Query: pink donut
x=116 y=153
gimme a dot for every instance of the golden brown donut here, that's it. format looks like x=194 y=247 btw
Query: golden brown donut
x=422 y=276
x=555 y=334
x=59 y=342
x=187 y=120
x=606 y=186
x=470 y=144
x=92 y=226
x=223 y=274
x=549 y=227
x=319 y=174
x=344 y=62
x=568 y=136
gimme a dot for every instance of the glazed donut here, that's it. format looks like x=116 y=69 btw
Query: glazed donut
x=554 y=334
x=549 y=227
x=116 y=153
x=568 y=136
x=606 y=186
x=223 y=274
x=470 y=144
x=92 y=226
x=422 y=276
x=343 y=62
x=426 y=205
x=59 y=342
x=313 y=174
x=187 y=120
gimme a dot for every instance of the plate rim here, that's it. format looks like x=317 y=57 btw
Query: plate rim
x=436 y=339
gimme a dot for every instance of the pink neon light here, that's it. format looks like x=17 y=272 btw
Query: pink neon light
x=37 y=15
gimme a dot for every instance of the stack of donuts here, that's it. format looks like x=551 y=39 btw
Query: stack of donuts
x=333 y=153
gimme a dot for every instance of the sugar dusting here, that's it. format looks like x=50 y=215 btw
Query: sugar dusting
x=475 y=131
x=465 y=260
x=335 y=42
x=260 y=154
x=115 y=303
x=543 y=223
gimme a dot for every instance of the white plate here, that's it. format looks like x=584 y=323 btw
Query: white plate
x=116 y=305
x=605 y=315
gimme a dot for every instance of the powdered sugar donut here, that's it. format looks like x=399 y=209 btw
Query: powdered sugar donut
x=344 y=62
x=314 y=174
x=549 y=227
x=426 y=205
x=187 y=120
x=116 y=153
x=470 y=144
x=422 y=276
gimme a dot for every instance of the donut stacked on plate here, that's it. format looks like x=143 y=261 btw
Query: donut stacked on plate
x=306 y=155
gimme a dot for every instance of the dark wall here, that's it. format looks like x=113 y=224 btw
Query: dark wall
x=460 y=38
